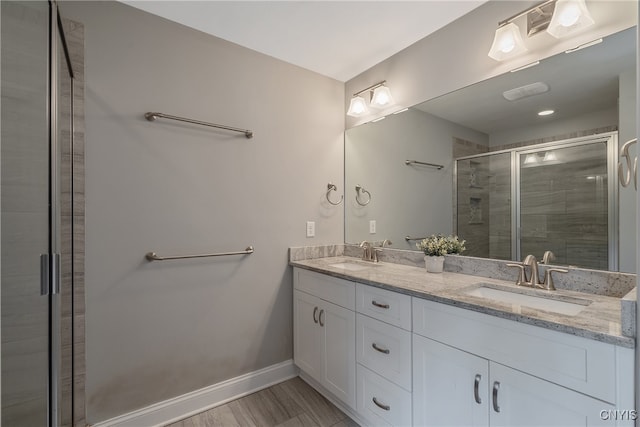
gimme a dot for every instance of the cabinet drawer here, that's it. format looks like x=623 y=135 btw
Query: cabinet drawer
x=574 y=362
x=338 y=291
x=390 y=307
x=381 y=402
x=384 y=349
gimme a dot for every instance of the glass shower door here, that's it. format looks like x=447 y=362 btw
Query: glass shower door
x=564 y=204
x=483 y=198
x=25 y=211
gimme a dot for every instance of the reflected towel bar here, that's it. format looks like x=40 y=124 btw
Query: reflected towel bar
x=152 y=256
x=416 y=162
x=153 y=116
x=408 y=238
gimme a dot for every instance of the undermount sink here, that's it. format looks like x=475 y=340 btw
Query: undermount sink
x=568 y=306
x=353 y=266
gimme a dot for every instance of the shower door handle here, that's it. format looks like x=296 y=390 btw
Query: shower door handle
x=44 y=274
x=55 y=274
x=49 y=274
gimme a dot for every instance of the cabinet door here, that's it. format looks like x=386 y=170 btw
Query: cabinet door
x=523 y=400
x=450 y=386
x=338 y=326
x=307 y=334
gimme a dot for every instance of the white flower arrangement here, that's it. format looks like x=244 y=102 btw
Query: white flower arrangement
x=439 y=245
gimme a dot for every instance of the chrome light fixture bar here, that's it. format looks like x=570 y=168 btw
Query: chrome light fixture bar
x=558 y=17
x=380 y=97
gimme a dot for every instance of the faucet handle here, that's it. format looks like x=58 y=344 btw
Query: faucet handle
x=548 y=278
x=521 y=280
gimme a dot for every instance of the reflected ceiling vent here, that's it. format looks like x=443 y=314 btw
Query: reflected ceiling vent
x=525 y=91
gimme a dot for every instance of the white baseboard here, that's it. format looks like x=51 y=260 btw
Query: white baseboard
x=189 y=404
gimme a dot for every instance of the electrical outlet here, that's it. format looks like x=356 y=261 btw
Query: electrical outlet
x=311 y=229
x=372 y=226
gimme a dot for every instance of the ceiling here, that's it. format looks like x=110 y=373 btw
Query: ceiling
x=338 y=39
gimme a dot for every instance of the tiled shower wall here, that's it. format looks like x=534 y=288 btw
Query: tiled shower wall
x=562 y=210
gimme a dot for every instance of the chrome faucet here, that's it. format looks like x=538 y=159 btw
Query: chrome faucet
x=534 y=278
x=367 y=251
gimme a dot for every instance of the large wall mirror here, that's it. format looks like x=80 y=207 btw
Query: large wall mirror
x=480 y=162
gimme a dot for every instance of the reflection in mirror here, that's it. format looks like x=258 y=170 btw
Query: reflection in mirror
x=592 y=92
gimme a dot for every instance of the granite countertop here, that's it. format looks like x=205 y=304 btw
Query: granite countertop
x=600 y=320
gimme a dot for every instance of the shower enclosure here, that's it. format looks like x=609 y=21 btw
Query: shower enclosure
x=558 y=196
x=39 y=265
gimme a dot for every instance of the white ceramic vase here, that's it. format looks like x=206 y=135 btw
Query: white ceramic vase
x=434 y=264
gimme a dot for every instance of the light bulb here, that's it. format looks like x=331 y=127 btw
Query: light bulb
x=569 y=15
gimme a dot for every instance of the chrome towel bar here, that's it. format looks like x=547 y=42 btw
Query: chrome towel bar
x=408 y=238
x=416 y=162
x=152 y=256
x=151 y=116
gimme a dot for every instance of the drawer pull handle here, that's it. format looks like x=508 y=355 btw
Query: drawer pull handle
x=476 y=389
x=377 y=304
x=381 y=405
x=496 y=388
x=381 y=350
x=320 y=318
x=315 y=311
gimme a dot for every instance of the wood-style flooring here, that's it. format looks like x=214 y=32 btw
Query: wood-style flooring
x=292 y=403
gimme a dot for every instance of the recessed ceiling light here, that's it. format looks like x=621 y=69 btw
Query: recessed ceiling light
x=546 y=113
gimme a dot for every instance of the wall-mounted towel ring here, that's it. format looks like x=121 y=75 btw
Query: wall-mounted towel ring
x=625 y=178
x=359 y=191
x=331 y=187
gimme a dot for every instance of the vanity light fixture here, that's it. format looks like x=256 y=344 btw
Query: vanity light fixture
x=569 y=16
x=558 y=17
x=358 y=107
x=507 y=42
x=380 y=97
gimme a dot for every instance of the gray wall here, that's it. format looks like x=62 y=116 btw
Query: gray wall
x=158 y=330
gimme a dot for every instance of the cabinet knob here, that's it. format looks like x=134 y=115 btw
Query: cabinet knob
x=377 y=304
x=381 y=405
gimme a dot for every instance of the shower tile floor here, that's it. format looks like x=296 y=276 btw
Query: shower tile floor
x=292 y=403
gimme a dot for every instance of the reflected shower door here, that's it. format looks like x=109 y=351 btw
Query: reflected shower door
x=564 y=204
x=483 y=197
x=25 y=211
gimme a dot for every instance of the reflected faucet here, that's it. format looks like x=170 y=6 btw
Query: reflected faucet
x=548 y=257
x=367 y=251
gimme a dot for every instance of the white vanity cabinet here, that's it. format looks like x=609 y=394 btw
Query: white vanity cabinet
x=383 y=352
x=324 y=332
x=474 y=369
